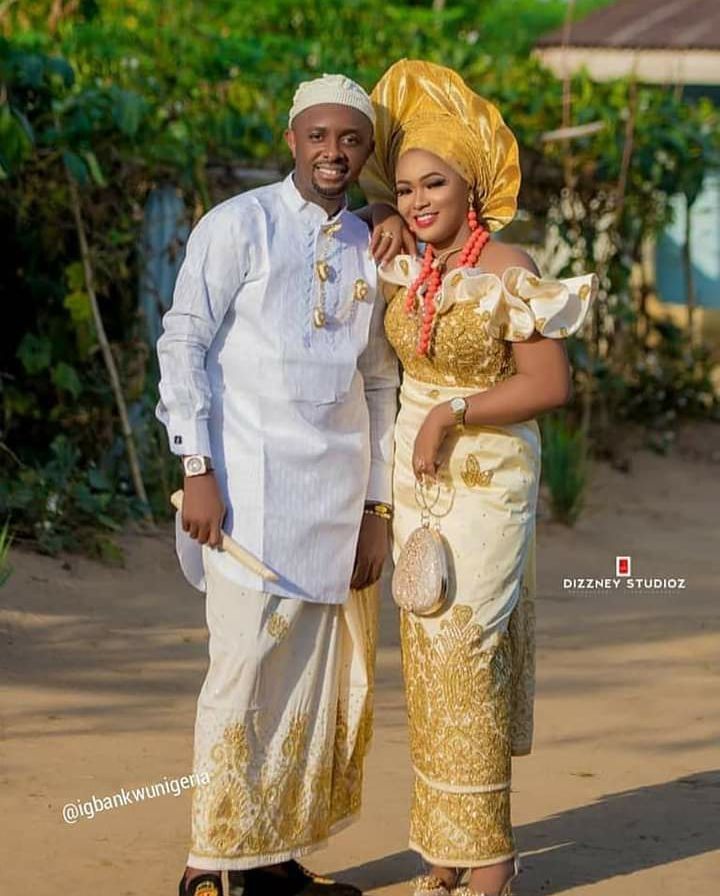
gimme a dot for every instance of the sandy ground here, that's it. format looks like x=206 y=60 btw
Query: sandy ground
x=101 y=669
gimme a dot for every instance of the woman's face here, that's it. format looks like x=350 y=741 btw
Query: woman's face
x=432 y=198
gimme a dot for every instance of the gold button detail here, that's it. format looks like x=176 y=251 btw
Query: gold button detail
x=584 y=291
x=360 y=290
x=404 y=266
x=322 y=268
x=319 y=318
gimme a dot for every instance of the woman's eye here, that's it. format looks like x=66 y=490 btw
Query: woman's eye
x=436 y=183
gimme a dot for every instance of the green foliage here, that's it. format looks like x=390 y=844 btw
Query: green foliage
x=564 y=467
x=5 y=544
x=64 y=505
x=130 y=94
x=669 y=381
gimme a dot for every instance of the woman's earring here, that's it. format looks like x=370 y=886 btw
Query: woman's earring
x=472 y=214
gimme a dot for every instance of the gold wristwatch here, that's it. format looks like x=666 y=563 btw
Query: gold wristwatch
x=459 y=407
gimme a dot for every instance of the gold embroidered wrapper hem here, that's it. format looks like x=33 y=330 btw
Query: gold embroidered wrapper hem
x=283 y=724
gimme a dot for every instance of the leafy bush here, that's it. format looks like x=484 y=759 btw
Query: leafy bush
x=95 y=91
x=564 y=466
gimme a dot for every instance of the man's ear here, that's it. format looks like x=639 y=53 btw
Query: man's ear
x=290 y=140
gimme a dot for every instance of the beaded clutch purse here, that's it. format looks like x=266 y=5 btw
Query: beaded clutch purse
x=420 y=579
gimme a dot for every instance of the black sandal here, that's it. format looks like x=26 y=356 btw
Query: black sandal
x=209 y=884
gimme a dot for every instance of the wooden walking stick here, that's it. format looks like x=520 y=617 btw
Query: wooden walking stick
x=241 y=554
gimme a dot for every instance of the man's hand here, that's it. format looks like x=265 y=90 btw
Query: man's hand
x=390 y=235
x=203 y=509
x=372 y=548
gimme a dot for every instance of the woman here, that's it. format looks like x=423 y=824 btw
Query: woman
x=480 y=340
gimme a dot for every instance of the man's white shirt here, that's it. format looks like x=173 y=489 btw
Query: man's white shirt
x=298 y=419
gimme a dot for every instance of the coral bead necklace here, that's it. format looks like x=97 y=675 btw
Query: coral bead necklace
x=430 y=277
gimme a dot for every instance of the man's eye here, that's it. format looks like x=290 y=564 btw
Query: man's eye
x=316 y=136
x=352 y=141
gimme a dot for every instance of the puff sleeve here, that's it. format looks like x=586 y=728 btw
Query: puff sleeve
x=525 y=303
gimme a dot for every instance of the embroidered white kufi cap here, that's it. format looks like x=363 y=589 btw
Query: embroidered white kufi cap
x=331 y=89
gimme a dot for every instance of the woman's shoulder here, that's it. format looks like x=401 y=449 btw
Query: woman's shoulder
x=497 y=257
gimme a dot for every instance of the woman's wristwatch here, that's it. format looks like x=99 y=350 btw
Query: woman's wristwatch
x=196 y=465
x=459 y=407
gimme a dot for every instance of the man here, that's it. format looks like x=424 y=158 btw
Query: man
x=279 y=391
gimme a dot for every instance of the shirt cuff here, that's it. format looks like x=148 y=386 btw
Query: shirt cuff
x=189 y=437
x=380 y=482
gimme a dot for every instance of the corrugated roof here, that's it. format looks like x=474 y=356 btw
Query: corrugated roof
x=646 y=24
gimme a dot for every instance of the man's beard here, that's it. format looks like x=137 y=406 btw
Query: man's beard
x=328 y=192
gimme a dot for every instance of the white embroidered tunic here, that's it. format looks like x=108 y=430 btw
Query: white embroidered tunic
x=297 y=418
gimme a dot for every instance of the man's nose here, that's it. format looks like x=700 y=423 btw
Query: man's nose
x=332 y=149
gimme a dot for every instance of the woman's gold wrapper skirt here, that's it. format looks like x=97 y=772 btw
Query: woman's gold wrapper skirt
x=469 y=669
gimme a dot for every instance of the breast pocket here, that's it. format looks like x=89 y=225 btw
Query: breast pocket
x=320 y=380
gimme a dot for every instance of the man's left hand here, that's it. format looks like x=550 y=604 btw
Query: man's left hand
x=372 y=548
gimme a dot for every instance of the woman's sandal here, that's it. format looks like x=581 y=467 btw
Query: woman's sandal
x=430 y=885
x=506 y=888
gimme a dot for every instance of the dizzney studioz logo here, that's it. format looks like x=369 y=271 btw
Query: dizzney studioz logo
x=623 y=566
x=626 y=581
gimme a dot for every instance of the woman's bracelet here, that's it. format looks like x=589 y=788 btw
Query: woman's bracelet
x=379 y=508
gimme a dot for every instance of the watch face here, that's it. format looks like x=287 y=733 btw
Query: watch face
x=458 y=404
x=195 y=465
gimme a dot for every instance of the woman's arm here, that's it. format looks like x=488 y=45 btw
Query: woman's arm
x=542 y=382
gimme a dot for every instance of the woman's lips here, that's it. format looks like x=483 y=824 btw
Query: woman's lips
x=425 y=220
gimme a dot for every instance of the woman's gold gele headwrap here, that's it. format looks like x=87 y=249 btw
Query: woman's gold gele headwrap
x=420 y=105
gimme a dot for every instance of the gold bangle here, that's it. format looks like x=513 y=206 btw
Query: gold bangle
x=378 y=508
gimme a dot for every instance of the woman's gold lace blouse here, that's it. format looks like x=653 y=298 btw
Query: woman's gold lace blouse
x=479 y=316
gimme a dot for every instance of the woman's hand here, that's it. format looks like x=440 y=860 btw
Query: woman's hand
x=390 y=235
x=429 y=441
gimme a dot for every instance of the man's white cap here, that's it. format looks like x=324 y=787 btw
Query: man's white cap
x=331 y=89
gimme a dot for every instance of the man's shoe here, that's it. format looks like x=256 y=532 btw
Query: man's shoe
x=209 y=884
x=293 y=880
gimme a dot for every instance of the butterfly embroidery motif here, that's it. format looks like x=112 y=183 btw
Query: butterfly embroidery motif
x=473 y=476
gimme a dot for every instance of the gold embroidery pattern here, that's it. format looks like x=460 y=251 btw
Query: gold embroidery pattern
x=361 y=290
x=264 y=801
x=461 y=828
x=278 y=626
x=462 y=352
x=473 y=476
x=458 y=701
x=522 y=640
x=236 y=813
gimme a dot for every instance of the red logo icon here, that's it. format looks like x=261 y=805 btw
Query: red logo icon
x=622 y=566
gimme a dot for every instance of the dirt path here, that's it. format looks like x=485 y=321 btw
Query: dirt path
x=101 y=669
